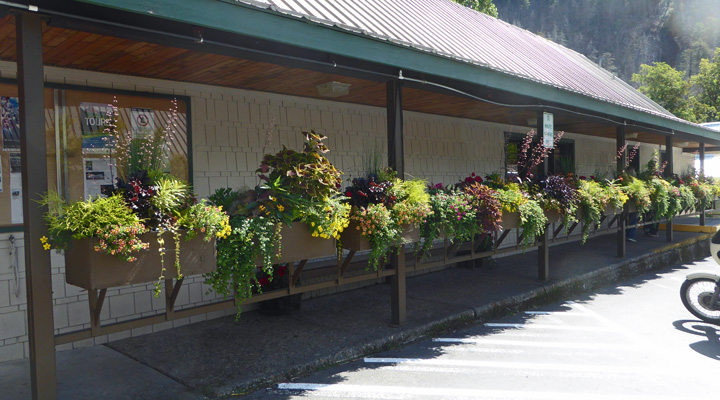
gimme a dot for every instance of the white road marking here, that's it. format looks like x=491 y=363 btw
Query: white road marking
x=547 y=326
x=638 y=370
x=661 y=286
x=612 y=324
x=522 y=343
x=558 y=313
x=350 y=391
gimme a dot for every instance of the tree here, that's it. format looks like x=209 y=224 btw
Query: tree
x=708 y=82
x=484 y=6
x=665 y=85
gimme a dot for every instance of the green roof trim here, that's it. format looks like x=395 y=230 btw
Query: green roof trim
x=250 y=21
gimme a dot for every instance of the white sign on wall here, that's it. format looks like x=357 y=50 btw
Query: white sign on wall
x=548 y=130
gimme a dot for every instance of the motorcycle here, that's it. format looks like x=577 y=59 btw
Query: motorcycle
x=700 y=293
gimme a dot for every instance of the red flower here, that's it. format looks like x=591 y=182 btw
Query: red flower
x=264 y=281
x=348 y=194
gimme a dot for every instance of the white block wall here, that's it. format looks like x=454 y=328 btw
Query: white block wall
x=228 y=132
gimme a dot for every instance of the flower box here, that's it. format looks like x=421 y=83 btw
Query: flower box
x=510 y=220
x=352 y=239
x=89 y=269
x=610 y=210
x=297 y=243
x=552 y=216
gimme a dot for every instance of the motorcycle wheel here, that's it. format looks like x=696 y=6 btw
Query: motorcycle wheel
x=696 y=295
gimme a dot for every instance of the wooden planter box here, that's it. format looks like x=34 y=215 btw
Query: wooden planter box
x=552 y=216
x=297 y=244
x=89 y=269
x=510 y=220
x=352 y=239
x=609 y=210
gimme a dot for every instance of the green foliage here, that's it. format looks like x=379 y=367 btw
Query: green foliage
x=83 y=219
x=226 y=198
x=413 y=191
x=666 y=86
x=452 y=216
x=484 y=6
x=308 y=174
x=171 y=194
x=591 y=201
x=251 y=239
x=328 y=218
x=532 y=221
x=708 y=80
x=638 y=193
x=511 y=197
x=376 y=224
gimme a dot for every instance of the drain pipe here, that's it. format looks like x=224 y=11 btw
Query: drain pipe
x=15 y=264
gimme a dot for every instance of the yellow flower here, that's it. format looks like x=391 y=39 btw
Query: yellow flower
x=46 y=246
x=43 y=239
x=280 y=208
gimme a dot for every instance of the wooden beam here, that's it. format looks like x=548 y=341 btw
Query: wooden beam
x=33 y=150
x=621 y=148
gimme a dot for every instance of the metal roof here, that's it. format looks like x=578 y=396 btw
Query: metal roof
x=447 y=29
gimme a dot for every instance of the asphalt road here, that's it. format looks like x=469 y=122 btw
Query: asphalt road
x=631 y=341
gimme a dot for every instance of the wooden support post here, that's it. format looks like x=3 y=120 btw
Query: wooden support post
x=669 y=171
x=33 y=150
x=399 y=294
x=396 y=161
x=544 y=246
x=544 y=255
x=702 y=173
x=96 y=301
x=620 y=145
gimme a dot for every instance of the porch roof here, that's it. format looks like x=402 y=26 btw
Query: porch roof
x=435 y=43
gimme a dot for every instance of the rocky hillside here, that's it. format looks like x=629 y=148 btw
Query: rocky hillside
x=622 y=34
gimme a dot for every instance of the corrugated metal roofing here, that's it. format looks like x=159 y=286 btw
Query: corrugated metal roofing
x=448 y=29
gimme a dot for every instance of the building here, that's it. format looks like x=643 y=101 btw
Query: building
x=438 y=88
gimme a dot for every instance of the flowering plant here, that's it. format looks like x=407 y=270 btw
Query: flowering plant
x=381 y=208
x=556 y=193
x=452 y=215
x=144 y=198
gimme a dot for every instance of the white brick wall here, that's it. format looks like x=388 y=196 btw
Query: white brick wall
x=228 y=132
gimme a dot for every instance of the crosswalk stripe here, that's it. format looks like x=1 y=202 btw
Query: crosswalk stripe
x=523 y=343
x=349 y=391
x=638 y=370
x=551 y=327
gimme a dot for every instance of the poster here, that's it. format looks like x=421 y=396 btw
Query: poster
x=1 y=175
x=99 y=173
x=143 y=123
x=16 y=206
x=94 y=118
x=10 y=122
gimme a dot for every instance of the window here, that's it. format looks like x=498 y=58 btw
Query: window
x=78 y=148
x=561 y=159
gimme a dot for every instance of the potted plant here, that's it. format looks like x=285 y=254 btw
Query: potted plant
x=557 y=197
x=591 y=200
x=452 y=217
x=296 y=213
x=386 y=213
x=135 y=233
x=300 y=190
x=523 y=212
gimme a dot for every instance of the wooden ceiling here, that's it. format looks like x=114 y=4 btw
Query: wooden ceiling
x=94 y=52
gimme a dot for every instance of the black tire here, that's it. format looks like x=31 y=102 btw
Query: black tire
x=695 y=293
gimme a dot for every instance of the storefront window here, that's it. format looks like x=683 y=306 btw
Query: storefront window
x=81 y=159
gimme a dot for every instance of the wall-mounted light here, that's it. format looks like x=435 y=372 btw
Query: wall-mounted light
x=683 y=144
x=633 y=135
x=333 y=89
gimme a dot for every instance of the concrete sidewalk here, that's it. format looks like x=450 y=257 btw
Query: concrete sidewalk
x=219 y=357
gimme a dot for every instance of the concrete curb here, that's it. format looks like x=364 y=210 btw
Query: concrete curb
x=682 y=252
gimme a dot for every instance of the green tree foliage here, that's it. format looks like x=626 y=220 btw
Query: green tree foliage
x=666 y=86
x=484 y=6
x=708 y=82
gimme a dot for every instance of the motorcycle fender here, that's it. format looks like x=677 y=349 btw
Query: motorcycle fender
x=707 y=275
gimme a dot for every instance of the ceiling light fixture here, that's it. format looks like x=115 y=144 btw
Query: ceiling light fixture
x=333 y=89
